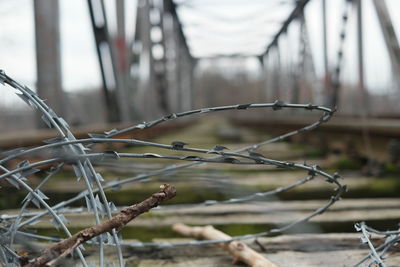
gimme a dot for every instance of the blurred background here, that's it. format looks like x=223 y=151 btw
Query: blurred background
x=104 y=59
x=99 y=63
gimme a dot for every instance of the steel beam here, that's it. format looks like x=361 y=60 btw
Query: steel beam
x=171 y=7
x=300 y=4
x=160 y=64
x=389 y=35
x=277 y=84
x=122 y=66
x=162 y=84
x=107 y=61
x=171 y=47
x=106 y=57
x=184 y=62
x=325 y=49
x=145 y=98
x=360 y=50
x=307 y=75
x=48 y=55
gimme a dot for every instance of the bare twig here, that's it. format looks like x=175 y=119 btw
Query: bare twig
x=239 y=250
x=63 y=248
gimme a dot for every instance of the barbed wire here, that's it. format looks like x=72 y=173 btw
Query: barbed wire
x=377 y=254
x=67 y=150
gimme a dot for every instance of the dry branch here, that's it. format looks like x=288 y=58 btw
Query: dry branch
x=239 y=250
x=57 y=251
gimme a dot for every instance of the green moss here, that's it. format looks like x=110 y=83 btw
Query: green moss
x=194 y=192
x=64 y=174
x=391 y=168
x=388 y=185
x=250 y=171
x=13 y=199
x=148 y=233
x=185 y=194
x=314 y=153
x=346 y=163
x=144 y=234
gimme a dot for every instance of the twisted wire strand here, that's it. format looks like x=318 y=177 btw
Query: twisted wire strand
x=50 y=117
x=69 y=150
x=377 y=254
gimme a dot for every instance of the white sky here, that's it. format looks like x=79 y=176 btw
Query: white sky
x=211 y=27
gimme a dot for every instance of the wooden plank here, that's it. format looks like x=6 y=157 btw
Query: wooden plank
x=305 y=250
x=376 y=126
x=267 y=213
x=288 y=250
x=35 y=137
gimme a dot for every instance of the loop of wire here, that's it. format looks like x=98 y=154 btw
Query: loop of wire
x=65 y=149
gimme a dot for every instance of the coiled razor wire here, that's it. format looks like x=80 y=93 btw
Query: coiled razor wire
x=377 y=254
x=65 y=149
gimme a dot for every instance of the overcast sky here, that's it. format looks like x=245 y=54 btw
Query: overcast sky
x=211 y=27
